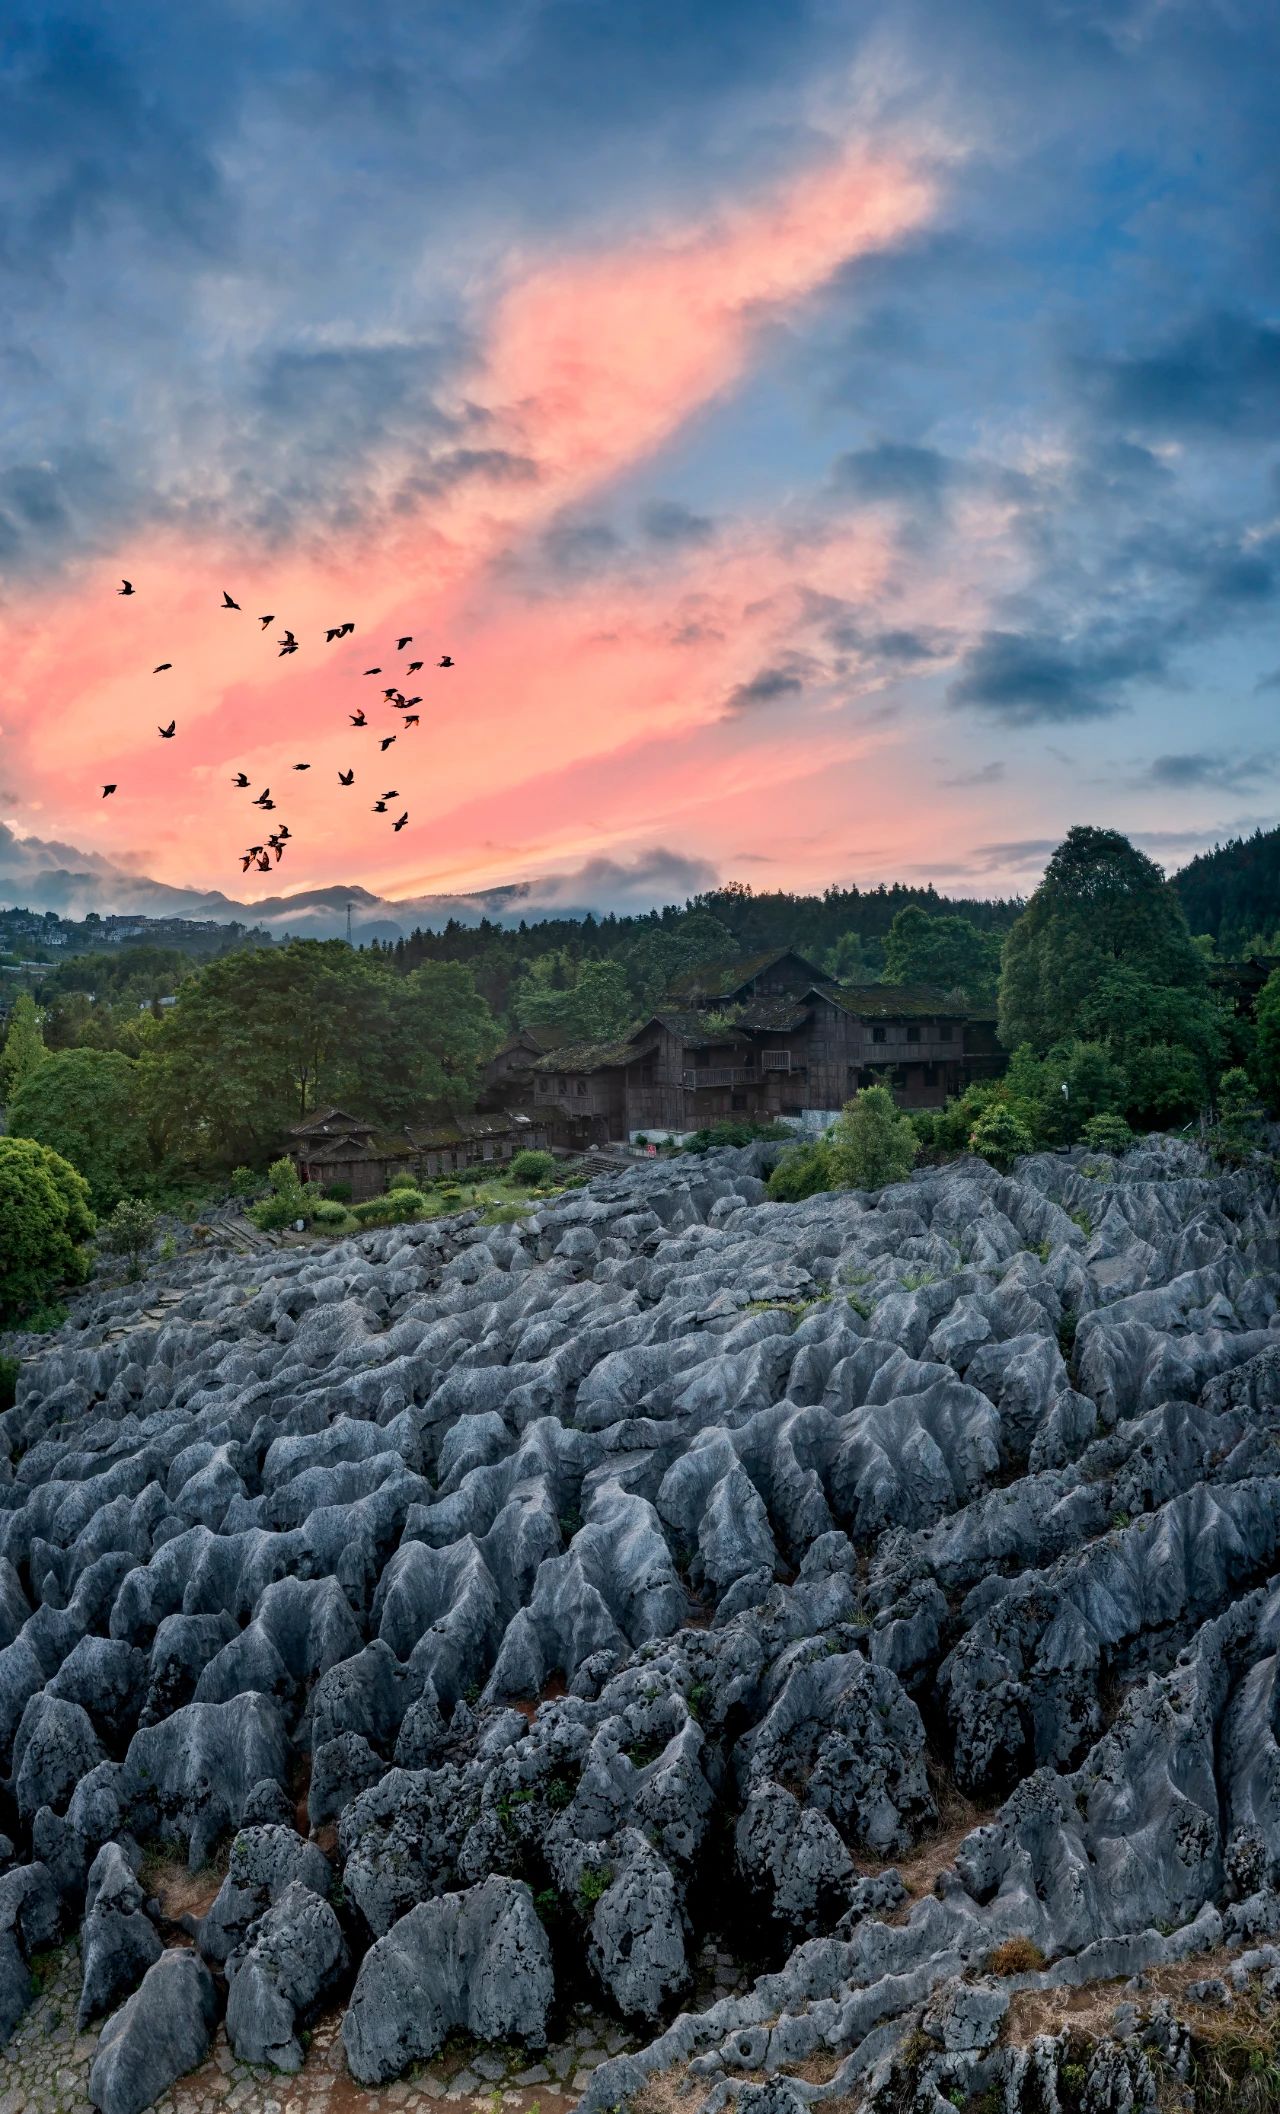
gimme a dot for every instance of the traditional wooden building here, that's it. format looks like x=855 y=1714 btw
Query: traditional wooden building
x=508 y=1075
x=764 y=1038
x=490 y=1136
x=336 y=1147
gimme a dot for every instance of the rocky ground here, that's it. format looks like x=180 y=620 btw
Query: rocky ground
x=820 y=1653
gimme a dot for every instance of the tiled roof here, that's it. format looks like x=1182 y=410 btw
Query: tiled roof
x=331 y=1119
x=459 y=1130
x=901 y=1001
x=585 y=1057
x=714 y=980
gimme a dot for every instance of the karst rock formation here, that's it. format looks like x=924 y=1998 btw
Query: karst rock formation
x=507 y=1606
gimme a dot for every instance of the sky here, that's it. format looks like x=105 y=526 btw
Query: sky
x=835 y=442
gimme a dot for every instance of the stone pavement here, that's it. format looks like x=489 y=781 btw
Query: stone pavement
x=45 y=2068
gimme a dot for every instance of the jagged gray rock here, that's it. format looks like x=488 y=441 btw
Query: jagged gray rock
x=478 y=1960
x=639 y=1541
x=164 y=2030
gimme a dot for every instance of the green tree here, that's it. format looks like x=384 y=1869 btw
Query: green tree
x=999 y=1136
x=803 y=1170
x=590 y=1000
x=1239 y=1116
x=128 y=1232
x=1267 y=1058
x=662 y=953
x=44 y=1218
x=23 y=1046
x=87 y=1105
x=947 y=951
x=870 y=1143
x=261 y=1037
x=1101 y=907
x=854 y=960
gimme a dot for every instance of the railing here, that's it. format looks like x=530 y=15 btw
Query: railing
x=721 y=1075
x=775 y=1060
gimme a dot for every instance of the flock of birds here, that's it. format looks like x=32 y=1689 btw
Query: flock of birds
x=260 y=855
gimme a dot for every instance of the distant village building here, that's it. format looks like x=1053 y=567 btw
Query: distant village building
x=335 y=1146
x=765 y=1037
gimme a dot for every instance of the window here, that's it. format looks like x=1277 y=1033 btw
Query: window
x=582 y=1086
x=879 y=1034
x=945 y=1031
x=913 y=1034
x=488 y=1148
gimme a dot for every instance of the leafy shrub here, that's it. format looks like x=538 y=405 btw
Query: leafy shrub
x=283 y=1177
x=532 y=1166
x=328 y=1212
x=404 y=1179
x=1107 y=1133
x=870 y=1143
x=595 y=1881
x=338 y=1192
x=802 y=1171
x=741 y=1132
x=274 y=1213
x=244 y=1182
x=128 y=1232
x=999 y=1136
x=167 y=1250
x=44 y=1216
x=374 y=1211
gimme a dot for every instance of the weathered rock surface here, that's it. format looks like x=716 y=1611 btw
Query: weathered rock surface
x=652 y=1560
x=163 y=2031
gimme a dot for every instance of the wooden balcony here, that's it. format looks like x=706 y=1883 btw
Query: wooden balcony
x=721 y=1075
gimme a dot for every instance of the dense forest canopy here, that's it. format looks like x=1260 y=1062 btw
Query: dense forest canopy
x=1233 y=893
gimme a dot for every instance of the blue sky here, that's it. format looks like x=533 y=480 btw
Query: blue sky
x=1003 y=479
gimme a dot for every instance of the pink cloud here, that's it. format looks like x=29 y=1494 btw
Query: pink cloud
x=606 y=694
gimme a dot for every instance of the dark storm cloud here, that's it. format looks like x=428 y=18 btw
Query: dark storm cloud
x=769 y=687
x=1219 y=374
x=893 y=470
x=1023 y=678
x=1192 y=769
x=666 y=522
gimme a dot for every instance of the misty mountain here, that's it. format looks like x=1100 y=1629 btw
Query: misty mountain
x=45 y=874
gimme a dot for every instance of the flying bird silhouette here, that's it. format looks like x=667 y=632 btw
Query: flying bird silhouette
x=415 y=665
x=167 y=733
x=284 y=830
x=278 y=849
x=107 y=789
x=394 y=794
x=357 y=719
x=228 y=602
x=379 y=807
x=445 y=661
x=302 y=767
x=263 y=797
x=403 y=819
x=288 y=644
x=264 y=803
x=386 y=742
x=126 y=587
x=240 y=779
x=345 y=630
x=346 y=778
x=266 y=621
x=264 y=863
x=163 y=665
x=407 y=640
x=411 y=719
x=373 y=671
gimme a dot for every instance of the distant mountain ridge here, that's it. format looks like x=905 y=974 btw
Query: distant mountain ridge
x=46 y=874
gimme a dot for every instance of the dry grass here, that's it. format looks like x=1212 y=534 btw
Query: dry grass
x=178 y=1891
x=670 y=2092
x=1017 y=1956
